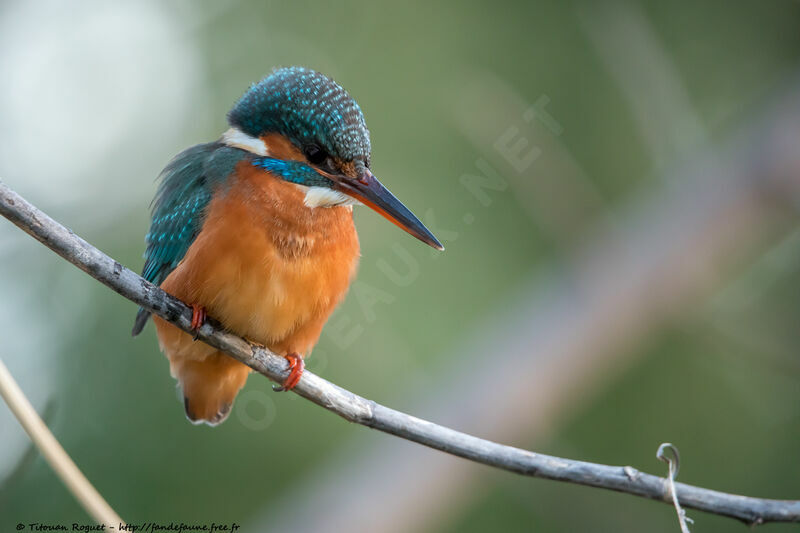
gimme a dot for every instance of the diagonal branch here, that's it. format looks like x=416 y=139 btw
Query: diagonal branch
x=368 y=413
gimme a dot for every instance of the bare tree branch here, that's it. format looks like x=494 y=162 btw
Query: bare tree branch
x=365 y=412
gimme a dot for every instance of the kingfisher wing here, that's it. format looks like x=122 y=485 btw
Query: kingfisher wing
x=179 y=207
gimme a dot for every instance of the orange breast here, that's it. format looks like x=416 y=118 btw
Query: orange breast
x=265 y=265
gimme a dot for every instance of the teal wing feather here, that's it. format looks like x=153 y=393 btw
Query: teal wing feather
x=187 y=185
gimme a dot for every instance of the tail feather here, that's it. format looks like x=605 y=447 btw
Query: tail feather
x=140 y=322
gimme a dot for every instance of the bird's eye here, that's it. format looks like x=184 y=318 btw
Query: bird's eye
x=315 y=154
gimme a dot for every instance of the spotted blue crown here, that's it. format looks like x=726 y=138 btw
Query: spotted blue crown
x=307 y=108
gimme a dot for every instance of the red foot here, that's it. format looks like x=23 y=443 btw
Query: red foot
x=296 y=367
x=198 y=317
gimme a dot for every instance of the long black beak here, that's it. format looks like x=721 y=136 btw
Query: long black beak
x=369 y=191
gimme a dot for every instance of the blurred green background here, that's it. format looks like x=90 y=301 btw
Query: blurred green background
x=98 y=96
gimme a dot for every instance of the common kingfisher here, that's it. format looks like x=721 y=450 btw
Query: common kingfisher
x=256 y=229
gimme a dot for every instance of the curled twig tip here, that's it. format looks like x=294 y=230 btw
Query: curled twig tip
x=674 y=464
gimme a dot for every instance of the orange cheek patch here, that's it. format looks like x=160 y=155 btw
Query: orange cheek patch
x=280 y=147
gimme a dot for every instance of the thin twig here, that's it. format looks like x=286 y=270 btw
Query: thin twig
x=674 y=465
x=368 y=413
x=53 y=452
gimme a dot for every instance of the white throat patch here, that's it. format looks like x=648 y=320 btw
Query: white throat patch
x=325 y=197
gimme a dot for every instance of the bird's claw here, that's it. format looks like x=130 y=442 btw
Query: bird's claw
x=296 y=367
x=198 y=318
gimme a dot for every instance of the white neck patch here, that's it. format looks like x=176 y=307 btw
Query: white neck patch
x=325 y=197
x=238 y=139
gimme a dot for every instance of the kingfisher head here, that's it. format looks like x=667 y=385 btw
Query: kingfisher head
x=306 y=129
